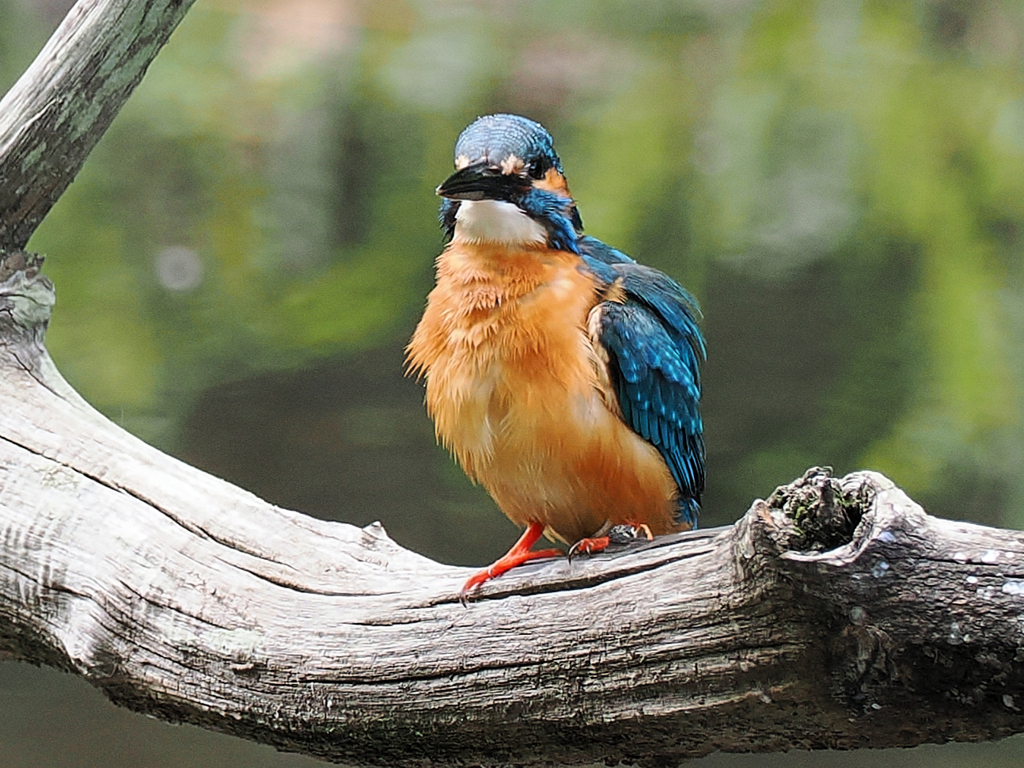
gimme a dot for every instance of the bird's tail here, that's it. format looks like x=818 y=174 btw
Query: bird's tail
x=687 y=511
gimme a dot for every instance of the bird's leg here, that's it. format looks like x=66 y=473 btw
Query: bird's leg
x=519 y=554
x=617 y=534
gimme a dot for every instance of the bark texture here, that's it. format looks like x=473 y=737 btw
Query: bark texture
x=834 y=614
x=65 y=101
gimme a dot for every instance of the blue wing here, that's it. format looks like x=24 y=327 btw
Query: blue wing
x=654 y=348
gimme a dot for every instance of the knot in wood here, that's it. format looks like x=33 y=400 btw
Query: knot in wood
x=26 y=299
x=822 y=512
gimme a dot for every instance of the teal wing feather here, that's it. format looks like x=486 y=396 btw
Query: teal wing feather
x=654 y=350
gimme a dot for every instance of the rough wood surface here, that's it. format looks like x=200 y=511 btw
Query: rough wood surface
x=65 y=101
x=836 y=614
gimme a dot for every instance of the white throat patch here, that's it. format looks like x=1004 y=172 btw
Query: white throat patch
x=494 y=221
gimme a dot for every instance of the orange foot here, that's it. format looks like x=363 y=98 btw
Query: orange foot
x=619 y=534
x=519 y=554
x=589 y=546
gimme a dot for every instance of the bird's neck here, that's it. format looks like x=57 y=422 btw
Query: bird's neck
x=492 y=275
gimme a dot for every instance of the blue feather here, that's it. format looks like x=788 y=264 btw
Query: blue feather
x=555 y=214
x=654 y=349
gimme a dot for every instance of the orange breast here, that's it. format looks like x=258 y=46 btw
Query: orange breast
x=518 y=394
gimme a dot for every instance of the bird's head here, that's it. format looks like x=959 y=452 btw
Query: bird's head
x=508 y=187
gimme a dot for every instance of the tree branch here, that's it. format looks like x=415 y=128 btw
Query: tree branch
x=65 y=101
x=836 y=614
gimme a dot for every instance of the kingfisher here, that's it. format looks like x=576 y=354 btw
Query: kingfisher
x=562 y=375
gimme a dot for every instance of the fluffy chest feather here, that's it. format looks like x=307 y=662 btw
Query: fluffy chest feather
x=503 y=344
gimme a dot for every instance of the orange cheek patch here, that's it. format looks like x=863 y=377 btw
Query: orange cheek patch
x=553 y=181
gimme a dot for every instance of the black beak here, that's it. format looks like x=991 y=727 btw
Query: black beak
x=480 y=181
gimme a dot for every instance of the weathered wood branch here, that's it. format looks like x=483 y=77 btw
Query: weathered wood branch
x=837 y=614
x=65 y=101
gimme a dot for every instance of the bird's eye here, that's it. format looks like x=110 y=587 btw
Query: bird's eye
x=538 y=169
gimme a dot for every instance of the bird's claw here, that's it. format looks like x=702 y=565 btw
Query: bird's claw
x=617 y=535
x=588 y=547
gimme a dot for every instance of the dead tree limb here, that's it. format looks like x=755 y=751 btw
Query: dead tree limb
x=837 y=614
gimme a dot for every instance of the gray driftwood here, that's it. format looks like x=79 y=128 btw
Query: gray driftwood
x=836 y=614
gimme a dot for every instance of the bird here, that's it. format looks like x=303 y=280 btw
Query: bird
x=562 y=375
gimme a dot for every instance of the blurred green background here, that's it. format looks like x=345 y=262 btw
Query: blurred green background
x=245 y=254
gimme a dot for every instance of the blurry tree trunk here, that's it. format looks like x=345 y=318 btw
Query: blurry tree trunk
x=836 y=614
x=63 y=104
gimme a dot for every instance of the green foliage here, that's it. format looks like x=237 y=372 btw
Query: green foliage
x=20 y=37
